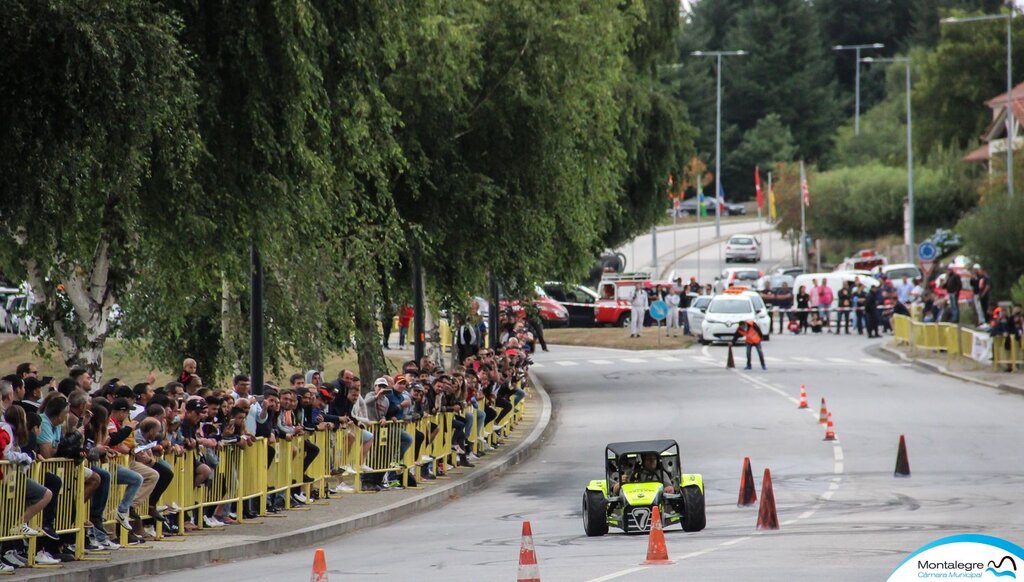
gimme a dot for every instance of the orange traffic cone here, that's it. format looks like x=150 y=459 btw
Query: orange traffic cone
x=803 y=396
x=748 y=496
x=528 y=571
x=830 y=431
x=767 y=517
x=730 y=362
x=657 y=553
x=319 y=567
x=902 y=463
x=823 y=416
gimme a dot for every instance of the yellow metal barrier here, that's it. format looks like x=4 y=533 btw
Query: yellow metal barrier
x=12 y=499
x=1006 y=352
x=950 y=334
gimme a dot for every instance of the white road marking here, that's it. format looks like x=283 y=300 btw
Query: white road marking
x=619 y=574
x=635 y=360
x=839 y=360
x=567 y=363
x=735 y=541
x=535 y=365
x=806 y=514
x=873 y=361
x=600 y=362
x=828 y=495
x=805 y=360
x=669 y=359
x=839 y=468
x=838 y=453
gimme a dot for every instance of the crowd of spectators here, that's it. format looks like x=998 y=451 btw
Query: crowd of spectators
x=145 y=424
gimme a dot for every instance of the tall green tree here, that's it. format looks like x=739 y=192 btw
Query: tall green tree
x=966 y=68
x=97 y=146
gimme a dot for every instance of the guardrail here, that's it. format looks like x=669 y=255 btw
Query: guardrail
x=959 y=343
x=252 y=473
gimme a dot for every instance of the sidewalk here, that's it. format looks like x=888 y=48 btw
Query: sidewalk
x=961 y=368
x=305 y=527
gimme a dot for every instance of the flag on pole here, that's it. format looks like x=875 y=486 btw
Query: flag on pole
x=757 y=187
x=700 y=197
x=721 y=197
x=772 y=212
x=805 y=191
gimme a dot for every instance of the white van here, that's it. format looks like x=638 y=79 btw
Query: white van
x=835 y=280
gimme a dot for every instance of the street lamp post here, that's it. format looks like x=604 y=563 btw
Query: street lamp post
x=857 y=48
x=1010 y=128
x=718 y=129
x=910 y=155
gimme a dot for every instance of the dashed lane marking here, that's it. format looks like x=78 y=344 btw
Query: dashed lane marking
x=635 y=360
x=600 y=362
x=568 y=363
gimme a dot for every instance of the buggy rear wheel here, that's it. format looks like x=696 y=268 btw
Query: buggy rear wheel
x=694 y=518
x=595 y=514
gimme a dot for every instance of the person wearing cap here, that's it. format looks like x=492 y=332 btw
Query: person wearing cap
x=121 y=431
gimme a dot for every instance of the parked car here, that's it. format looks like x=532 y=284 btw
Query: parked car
x=738 y=276
x=18 y=317
x=695 y=312
x=553 y=313
x=579 y=301
x=897 y=271
x=743 y=247
x=689 y=207
x=727 y=310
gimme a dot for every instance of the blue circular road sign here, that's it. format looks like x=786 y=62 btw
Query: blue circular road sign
x=659 y=310
x=927 y=251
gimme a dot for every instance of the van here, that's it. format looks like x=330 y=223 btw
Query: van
x=835 y=280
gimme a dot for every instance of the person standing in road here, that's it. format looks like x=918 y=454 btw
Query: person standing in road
x=843 y=306
x=857 y=304
x=672 y=319
x=638 y=304
x=751 y=334
x=405 y=314
x=871 y=311
x=803 y=305
x=953 y=287
x=784 y=301
x=825 y=298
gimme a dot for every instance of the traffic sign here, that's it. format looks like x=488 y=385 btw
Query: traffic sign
x=927 y=251
x=659 y=310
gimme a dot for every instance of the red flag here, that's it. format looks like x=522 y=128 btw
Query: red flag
x=805 y=190
x=757 y=186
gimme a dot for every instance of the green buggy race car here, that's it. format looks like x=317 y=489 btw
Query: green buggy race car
x=640 y=475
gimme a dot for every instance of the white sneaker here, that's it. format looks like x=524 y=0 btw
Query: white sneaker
x=6 y=569
x=122 y=518
x=458 y=449
x=25 y=530
x=473 y=457
x=43 y=558
x=302 y=498
x=347 y=470
x=366 y=468
x=13 y=557
x=149 y=531
x=343 y=488
x=426 y=459
x=110 y=544
x=211 y=522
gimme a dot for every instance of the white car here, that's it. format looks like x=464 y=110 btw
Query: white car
x=743 y=247
x=695 y=313
x=726 y=311
x=898 y=271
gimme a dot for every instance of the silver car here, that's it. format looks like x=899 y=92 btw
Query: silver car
x=695 y=313
x=743 y=247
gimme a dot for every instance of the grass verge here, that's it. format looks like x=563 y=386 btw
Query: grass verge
x=617 y=337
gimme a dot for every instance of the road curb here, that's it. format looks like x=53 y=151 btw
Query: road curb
x=934 y=367
x=309 y=536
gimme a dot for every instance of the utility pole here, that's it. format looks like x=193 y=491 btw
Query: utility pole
x=857 y=48
x=256 y=320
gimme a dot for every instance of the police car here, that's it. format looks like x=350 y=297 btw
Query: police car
x=727 y=310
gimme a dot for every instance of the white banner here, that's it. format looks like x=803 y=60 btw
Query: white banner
x=981 y=347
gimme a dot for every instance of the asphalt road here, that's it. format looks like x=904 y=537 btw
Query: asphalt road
x=844 y=516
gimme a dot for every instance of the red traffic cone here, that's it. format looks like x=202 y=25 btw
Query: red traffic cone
x=767 y=517
x=657 y=553
x=803 y=396
x=830 y=430
x=528 y=571
x=902 y=463
x=748 y=496
x=823 y=416
x=730 y=363
x=319 y=567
